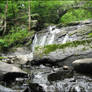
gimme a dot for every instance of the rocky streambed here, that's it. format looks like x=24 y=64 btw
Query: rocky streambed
x=60 y=60
x=45 y=77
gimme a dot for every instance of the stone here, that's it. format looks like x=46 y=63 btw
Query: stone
x=25 y=58
x=4 y=89
x=77 y=88
x=10 y=71
x=34 y=87
x=66 y=67
x=83 y=65
x=79 y=32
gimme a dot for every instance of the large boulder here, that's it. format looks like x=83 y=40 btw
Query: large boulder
x=83 y=65
x=63 y=56
x=10 y=71
x=20 y=55
x=54 y=44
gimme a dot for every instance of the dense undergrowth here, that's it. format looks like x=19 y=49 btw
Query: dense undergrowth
x=76 y=15
x=16 y=37
x=48 y=12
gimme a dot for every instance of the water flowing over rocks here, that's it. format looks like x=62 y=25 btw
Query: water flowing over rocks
x=55 y=35
x=54 y=71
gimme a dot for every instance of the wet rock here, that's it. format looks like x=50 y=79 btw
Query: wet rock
x=4 y=89
x=25 y=58
x=9 y=71
x=77 y=88
x=66 y=67
x=54 y=35
x=60 y=75
x=34 y=87
x=83 y=65
x=62 y=57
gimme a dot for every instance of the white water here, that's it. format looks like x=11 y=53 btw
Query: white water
x=34 y=43
x=46 y=38
x=53 y=31
x=51 y=39
x=66 y=39
x=43 y=40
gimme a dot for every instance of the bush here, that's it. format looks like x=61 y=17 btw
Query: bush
x=76 y=15
x=16 y=37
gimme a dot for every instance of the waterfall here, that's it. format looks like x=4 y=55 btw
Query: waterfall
x=52 y=34
x=66 y=39
x=34 y=42
x=43 y=40
x=51 y=39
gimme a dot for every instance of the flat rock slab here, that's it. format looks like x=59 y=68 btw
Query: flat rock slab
x=9 y=68
x=83 y=65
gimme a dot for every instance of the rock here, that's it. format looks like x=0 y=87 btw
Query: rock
x=19 y=59
x=47 y=40
x=83 y=65
x=34 y=87
x=66 y=67
x=60 y=75
x=77 y=88
x=25 y=58
x=9 y=71
x=4 y=89
x=64 y=56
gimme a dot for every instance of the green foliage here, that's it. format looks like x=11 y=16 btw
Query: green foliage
x=15 y=37
x=76 y=15
x=2 y=57
x=90 y=35
x=48 y=9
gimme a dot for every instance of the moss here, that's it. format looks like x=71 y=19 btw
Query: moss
x=90 y=35
x=3 y=58
x=50 y=48
x=84 y=49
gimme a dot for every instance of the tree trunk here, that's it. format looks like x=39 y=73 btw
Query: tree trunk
x=29 y=16
x=5 y=24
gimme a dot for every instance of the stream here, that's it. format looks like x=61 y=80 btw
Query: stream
x=47 y=77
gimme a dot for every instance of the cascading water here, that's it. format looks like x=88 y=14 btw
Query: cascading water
x=34 y=42
x=48 y=37
x=53 y=31
x=66 y=39
x=52 y=39
x=43 y=40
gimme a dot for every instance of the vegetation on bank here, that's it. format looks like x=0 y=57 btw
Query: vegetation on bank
x=75 y=15
x=16 y=37
x=34 y=15
x=50 y=48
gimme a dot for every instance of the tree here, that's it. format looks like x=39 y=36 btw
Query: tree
x=5 y=24
x=29 y=28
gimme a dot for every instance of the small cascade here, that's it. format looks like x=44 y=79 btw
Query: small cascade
x=52 y=39
x=52 y=30
x=43 y=40
x=66 y=39
x=34 y=42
